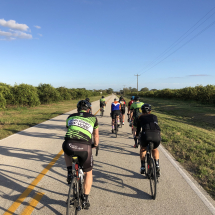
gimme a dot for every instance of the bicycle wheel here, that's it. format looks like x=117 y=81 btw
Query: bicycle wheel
x=153 y=178
x=71 y=200
x=147 y=165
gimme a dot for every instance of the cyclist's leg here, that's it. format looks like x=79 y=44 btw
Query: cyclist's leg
x=88 y=182
x=113 y=120
x=143 y=146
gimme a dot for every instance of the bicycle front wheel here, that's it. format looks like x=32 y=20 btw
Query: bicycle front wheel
x=71 y=200
x=153 y=178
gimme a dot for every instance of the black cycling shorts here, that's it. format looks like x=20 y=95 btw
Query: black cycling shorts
x=122 y=110
x=115 y=113
x=150 y=136
x=82 y=151
x=134 y=122
x=102 y=105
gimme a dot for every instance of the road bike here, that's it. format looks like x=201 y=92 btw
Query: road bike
x=150 y=169
x=121 y=120
x=76 y=188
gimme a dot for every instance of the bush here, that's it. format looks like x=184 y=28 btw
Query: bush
x=64 y=93
x=2 y=101
x=6 y=91
x=25 y=95
x=48 y=94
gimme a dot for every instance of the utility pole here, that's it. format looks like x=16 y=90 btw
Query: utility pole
x=137 y=81
x=123 y=90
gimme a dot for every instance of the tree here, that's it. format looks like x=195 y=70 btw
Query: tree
x=153 y=90
x=144 y=89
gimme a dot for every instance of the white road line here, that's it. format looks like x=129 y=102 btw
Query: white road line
x=192 y=185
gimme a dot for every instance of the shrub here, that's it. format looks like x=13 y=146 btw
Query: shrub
x=48 y=94
x=64 y=93
x=25 y=95
x=2 y=101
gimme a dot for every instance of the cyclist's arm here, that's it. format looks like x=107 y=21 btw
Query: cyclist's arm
x=96 y=136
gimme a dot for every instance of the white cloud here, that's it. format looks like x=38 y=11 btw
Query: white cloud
x=40 y=35
x=36 y=26
x=13 y=25
x=12 y=35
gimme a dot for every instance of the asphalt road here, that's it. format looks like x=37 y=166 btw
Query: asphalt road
x=29 y=186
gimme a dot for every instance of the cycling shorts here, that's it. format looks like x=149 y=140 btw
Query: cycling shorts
x=122 y=110
x=134 y=122
x=102 y=105
x=150 y=136
x=115 y=113
x=82 y=151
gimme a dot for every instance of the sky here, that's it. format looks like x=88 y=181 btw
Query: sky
x=101 y=44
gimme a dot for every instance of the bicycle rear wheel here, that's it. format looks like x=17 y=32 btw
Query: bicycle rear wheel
x=153 y=178
x=72 y=200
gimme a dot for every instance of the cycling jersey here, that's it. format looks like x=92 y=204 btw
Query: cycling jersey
x=115 y=106
x=136 y=106
x=150 y=130
x=80 y=127
x=130 y=103
x=122 y=103
x=102 y=102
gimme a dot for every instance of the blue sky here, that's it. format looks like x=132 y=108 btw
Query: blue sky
x=99 y=44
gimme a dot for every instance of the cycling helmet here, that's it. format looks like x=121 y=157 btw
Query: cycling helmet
x=115 y=99
x=132 y=98
x=136 y=98
x=83 y=105
x=102 y=96
x=120 y=98
x=87 y=99
x=146 y=108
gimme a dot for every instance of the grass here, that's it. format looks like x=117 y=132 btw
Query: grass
x=187 y=130
x=15 y=119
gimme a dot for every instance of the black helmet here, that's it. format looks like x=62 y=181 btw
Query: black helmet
x=121 y=97
x=146 y=108
x=83 y=105
x=102 y=96
x=115 y=99
x=87 y=99
x=136 y=98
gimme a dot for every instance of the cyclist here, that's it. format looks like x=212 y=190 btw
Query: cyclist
x=122 y=103
x=135 y=113
x=129 y=105
x=88 y=100
x=102 y=103
x=150 y=133
x=115 y=111
x=78 y=142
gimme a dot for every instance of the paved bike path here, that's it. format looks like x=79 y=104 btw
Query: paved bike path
x=117 y=188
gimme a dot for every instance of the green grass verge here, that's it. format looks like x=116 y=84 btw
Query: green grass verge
x=188 y=133
x=13 y=120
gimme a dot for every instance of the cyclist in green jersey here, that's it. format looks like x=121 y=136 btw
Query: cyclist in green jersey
x=81 y=127
x=135 y=113
x=102 y=103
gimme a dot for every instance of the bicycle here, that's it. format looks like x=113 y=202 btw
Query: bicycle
x=116 y=125
x=77 y=186
x=150 y=170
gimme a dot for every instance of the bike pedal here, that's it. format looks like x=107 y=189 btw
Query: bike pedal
x=78 y=208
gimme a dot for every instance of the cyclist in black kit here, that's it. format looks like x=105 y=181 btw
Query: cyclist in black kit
x=78 y=142
x=150 y=133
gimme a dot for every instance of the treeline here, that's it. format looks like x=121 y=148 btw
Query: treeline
x=201 y=94
x=28 y=95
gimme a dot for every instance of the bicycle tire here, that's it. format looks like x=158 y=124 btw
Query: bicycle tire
x=147 y=165
x=153 y=178
x=71 y=209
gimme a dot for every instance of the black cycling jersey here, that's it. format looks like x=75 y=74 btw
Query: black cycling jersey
x=147 y=122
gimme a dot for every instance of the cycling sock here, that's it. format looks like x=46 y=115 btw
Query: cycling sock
x=86 y=197
x=69 y=168
x=156 y=162
x=143 y=163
